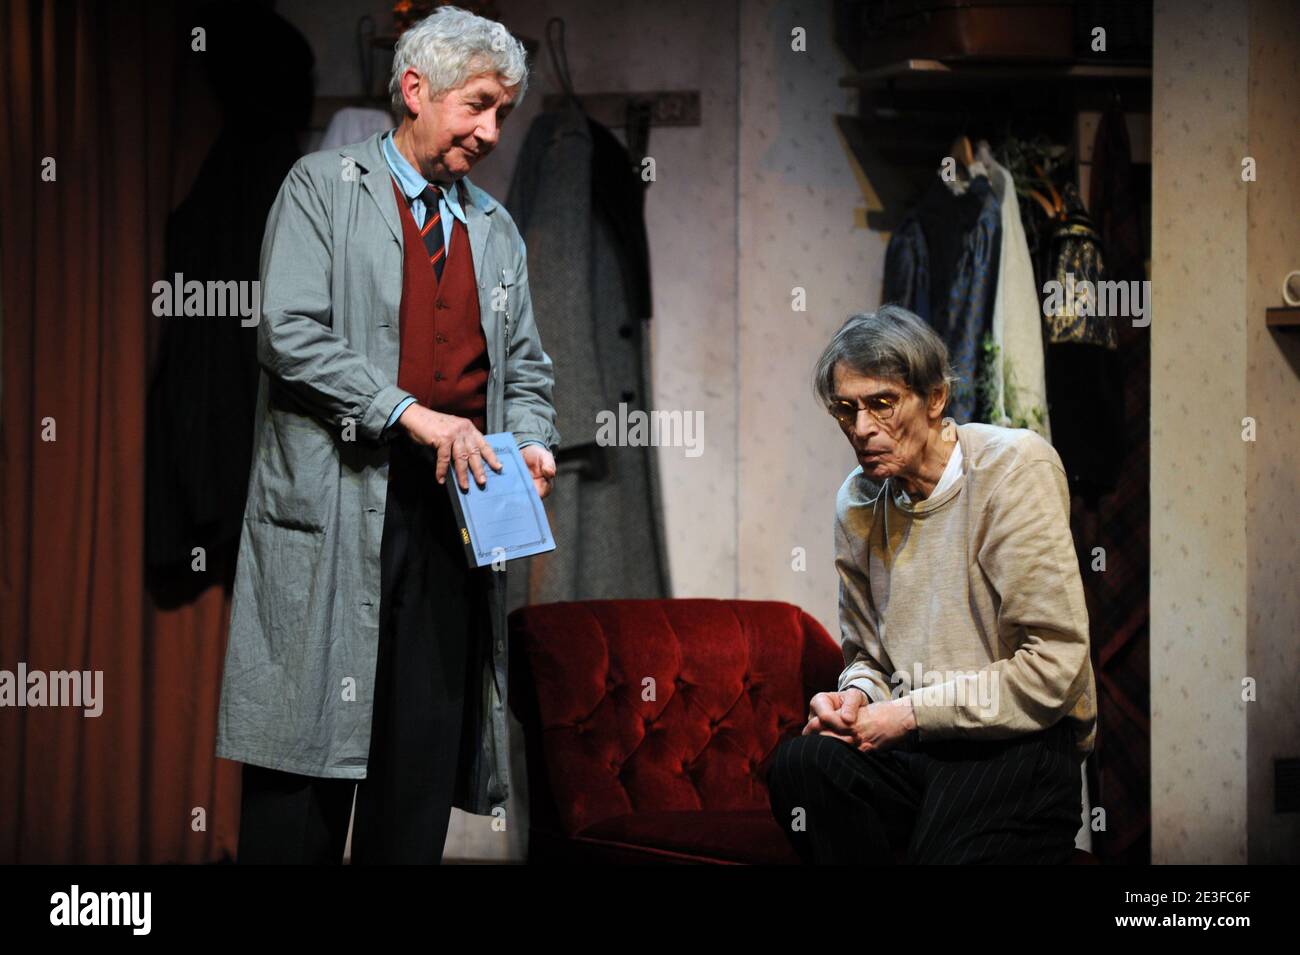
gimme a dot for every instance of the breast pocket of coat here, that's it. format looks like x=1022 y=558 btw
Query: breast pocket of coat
x=373 y=275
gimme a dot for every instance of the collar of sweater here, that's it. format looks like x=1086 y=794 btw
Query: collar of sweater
x=936 y=500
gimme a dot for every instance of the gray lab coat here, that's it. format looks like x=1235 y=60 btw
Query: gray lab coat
x=299 y=677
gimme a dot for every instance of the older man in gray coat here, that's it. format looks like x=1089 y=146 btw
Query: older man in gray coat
x=396 y=329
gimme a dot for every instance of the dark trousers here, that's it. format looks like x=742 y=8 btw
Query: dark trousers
x=433 y=622
x=951 y=802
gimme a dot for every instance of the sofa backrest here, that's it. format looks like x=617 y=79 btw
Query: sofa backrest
x=632 y=705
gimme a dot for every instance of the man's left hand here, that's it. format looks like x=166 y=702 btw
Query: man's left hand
x=541 y=465
x=867 y=727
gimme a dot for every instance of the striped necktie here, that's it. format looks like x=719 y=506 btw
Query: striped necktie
x=432 y=229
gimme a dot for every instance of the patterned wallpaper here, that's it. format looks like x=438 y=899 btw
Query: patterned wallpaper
x=1198 y=459
x=1272 y=398
x=797 y=195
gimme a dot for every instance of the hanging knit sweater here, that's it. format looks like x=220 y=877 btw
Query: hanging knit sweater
x=969 y=600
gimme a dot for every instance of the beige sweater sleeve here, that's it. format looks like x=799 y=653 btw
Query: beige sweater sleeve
x=859 y=641
x=1024 y=547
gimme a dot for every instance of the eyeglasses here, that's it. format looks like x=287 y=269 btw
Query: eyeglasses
x=880 y=407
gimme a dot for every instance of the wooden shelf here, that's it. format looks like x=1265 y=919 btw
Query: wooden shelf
x=1288 y=317
x=910 y=111
x=923 y=73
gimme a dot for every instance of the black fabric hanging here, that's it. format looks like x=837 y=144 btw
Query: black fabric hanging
x=201 y=399
x=1085 y=381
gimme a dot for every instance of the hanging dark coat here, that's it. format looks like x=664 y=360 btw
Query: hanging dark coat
x=1085 y=384
x=579 y=205
x=1119 y=599
x=202 y=396
x=942 y=264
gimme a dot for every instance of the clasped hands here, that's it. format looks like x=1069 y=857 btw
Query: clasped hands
x=866 y=726
x=462 y=446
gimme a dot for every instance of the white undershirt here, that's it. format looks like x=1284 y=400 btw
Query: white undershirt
x=950 y=474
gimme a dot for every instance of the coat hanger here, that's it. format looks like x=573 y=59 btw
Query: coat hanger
x=560 y=59
x=963 y=153
x=1055 y=208
x=960 y=149
x=637 y=126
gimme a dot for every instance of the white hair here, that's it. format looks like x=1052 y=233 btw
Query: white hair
x=451 y=45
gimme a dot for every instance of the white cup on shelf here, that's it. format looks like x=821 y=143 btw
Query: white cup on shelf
x=1291 y=288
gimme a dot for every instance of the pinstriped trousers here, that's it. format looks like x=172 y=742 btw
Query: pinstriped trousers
x=953 y=802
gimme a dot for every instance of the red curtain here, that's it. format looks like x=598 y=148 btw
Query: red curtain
x=106 y=91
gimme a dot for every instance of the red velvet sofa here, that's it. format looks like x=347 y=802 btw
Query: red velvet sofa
x=649 y=724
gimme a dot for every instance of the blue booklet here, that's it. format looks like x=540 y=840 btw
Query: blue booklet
x=505 y=518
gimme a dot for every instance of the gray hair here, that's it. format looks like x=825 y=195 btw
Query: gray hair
x=891 y=343
x=451 y=45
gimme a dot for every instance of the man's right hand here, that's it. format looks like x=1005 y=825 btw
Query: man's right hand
x=456 y=440
x=835 y=713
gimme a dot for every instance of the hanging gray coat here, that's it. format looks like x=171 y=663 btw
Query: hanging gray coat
x=578 y=203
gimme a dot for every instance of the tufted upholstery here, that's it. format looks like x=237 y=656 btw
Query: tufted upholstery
x=648 y=724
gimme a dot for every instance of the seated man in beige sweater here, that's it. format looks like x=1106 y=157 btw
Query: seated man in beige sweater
x=967 y=702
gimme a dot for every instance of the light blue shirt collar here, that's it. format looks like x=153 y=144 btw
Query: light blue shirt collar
x=410 y=180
